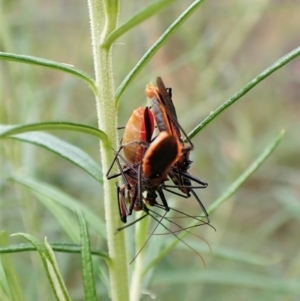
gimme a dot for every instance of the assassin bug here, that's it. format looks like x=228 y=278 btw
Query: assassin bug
x=146 y=165
x=166 y=120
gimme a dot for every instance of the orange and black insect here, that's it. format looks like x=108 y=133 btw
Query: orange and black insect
x=166 y=120
x=146 y=165
x=136 y=139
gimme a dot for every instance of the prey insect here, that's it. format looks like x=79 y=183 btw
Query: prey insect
x=167 y=121
x=144 y=169
x=145 y=165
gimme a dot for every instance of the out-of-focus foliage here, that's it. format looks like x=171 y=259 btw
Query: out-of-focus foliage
x=255 y=251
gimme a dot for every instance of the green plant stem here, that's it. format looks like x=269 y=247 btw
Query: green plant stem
x=103 y=20
x=137 y=274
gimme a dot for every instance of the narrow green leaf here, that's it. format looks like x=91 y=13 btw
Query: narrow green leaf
x=3 y=294
x=66 y=150
x=62 y=247
x=86 y=261
x=9 y=279
x=138 y=18
x=3 y=287
x=225 y=196
x=50 y=266
x=9 y=130
x=26 y=59
x=4 y=283
x=64 y=200
x=267 y=72
x=141 y=229
x=53 y=270
x=155 y=47
x=246 y=174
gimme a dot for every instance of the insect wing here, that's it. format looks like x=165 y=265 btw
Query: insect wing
x=139 y=129
x=159 y=110
x=166 y=98
x=163 y=152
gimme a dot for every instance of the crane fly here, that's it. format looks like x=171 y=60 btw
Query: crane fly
x=166 y=119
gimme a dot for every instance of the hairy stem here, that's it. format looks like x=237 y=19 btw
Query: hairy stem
x=103 y=19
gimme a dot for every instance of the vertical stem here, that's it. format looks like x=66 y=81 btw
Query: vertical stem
x=103 y=19
x=142 y=228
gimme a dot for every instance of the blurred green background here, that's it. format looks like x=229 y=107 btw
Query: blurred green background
x=256 y=249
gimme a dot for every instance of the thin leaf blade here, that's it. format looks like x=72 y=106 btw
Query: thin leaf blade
x=247 y=173
x=225 y=196
x=64 y=200
x=9 y=130
x=66 y=150
x=32 y=60
x=50 y=265
x=155 y=47
x=86 y=260
x=64 y=247
x=267 y=72
x=138 y=18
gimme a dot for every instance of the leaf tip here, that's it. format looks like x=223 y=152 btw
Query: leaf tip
x=16 y=234
x=282 y=132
